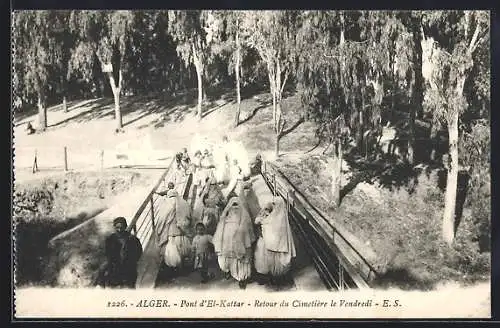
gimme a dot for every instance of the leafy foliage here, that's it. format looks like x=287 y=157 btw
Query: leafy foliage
x=188 y=28
x=36 y=53
x=273 y=35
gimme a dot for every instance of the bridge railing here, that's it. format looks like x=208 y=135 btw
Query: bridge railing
x=144 y=221
x=359 y=270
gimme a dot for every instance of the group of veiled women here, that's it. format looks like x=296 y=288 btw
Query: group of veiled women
x=226 y=221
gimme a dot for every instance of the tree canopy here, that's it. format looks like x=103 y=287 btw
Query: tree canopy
x=357 y=72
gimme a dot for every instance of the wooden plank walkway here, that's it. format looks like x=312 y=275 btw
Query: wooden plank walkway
x=149 y=265
x=304 y=276
x=150 y=262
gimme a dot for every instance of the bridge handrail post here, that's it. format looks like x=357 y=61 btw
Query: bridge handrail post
x=132 y=225
x=274 y=184
x=339 y=235
x=152 y=213
x=287 y=207
x=341 y=276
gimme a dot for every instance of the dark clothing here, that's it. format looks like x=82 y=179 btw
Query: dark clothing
x=30 y=129
x=214 y=203
x=256 y=167
x=214 y=198
x=164 y=192
x=185 y=159
x=123 y=252
x=205 y=276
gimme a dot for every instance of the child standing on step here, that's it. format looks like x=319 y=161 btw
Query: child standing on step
x=202 y=249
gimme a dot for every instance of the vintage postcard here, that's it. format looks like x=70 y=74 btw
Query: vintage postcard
x=251 y=164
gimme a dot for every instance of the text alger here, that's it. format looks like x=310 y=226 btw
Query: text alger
x=152 y=303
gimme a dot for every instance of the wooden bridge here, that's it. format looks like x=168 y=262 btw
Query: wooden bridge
x=334 y=252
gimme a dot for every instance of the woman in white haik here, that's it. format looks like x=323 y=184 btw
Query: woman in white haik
x=275 y=247
x=197 y=179
x=233 y=240
x=222 y=159
x=207 y=166
x=172 y=231
x=179 y=175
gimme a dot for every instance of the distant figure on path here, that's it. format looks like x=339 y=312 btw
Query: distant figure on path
x=198 y=170
x=256 y=165
x=170 y=186
x=207 y=166
x=275 y=247
x=233 y=241
x=202 y=249
x=186 y=160
x=179 y=174
x=235 y=182
x=29 y=129
x=123 y=251
x=222 y=161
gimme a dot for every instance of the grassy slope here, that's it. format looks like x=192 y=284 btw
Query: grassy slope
x=402 y=228
x=76 y=192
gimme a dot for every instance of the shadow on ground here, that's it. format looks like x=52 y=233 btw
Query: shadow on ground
x=402 y=278
x=32 y=248
x=170 y=108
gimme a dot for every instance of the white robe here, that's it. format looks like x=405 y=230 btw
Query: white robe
x=275 y=248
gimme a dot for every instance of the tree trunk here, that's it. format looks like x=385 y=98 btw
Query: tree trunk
x=434 y=140
x=393 y=105
x=42 y=113
x=64 y=105
x=274 y=107
x=118 y=112
x=449 y=214
x=411 y=140
x=342 y=28
x=237 y=72
x=337 y=174
x=116 y=96
x=418 y=95
x=451 y=183
x=278 y=126
x=199 y=75
x=277 y=145
x=416 y=106
x=116 y=88
x=359 y=135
